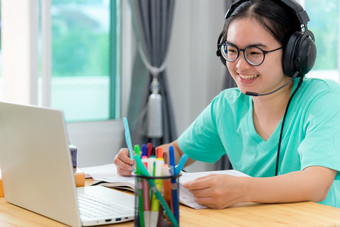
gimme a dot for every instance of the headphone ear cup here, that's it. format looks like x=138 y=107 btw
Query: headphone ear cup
x=289 y=54
x=307 y=55
x=299 y=54
x=218 y=51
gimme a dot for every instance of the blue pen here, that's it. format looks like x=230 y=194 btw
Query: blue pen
x=128 y=137
x=144 y=151
x=172 y=163
x=181 y=163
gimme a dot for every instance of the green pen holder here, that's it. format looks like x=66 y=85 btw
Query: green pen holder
x=149 y=209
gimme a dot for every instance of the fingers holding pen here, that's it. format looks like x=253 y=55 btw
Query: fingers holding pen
x=123 y=162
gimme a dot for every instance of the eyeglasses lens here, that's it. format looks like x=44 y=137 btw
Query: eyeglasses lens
x=253 y=55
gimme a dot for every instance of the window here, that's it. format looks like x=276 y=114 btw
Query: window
x=84 y=56
x=87 y=65
x=85 y=68
x=324 y=22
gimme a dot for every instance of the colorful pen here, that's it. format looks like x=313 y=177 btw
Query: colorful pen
x=173 y=182
x=144 y=151
x=128 y=137
x=136 y=149
x=157 y=172
x=140 y=192
x=149 y=149
x=167 y=194
x=145 y=186
x=152 y=160
x=181 y=164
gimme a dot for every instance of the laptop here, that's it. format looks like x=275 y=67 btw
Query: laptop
x=37 y=170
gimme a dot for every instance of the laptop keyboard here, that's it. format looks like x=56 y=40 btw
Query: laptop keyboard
x=90 y=207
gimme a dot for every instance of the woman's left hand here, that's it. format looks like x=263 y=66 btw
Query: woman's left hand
x=216 y=190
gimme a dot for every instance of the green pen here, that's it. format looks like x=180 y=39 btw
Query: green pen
x=141 y=168
x=136 y=149
x=140 y=191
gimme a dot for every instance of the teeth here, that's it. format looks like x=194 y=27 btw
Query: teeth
x=248 y=77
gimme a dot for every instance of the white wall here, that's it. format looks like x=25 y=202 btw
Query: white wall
x=19 y=43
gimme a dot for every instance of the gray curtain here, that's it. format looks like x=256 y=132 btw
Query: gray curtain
x=228 y=82
x=152 y=24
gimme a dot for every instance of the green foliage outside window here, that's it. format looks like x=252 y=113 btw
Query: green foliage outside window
x=83 y=63
x=80 y=43
x=324 y=22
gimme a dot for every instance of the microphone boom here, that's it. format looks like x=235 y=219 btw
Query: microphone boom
x=250 y=93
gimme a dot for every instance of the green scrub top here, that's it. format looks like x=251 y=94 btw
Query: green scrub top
x=311 y=134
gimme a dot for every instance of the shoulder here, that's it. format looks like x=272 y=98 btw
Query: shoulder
x=230 y=95
x=229 y=104
x=320 y=94
x=315 y=86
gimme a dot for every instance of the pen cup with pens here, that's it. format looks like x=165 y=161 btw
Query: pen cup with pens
x=157 y=188
x=156 y=200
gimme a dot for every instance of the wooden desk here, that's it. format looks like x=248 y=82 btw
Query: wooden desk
x=296 y=214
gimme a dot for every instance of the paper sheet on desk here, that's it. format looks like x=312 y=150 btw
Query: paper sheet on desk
x=187 y=198
x=108 y=173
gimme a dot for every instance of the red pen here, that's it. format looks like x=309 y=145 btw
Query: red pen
x=149 y=149
x=146 y=195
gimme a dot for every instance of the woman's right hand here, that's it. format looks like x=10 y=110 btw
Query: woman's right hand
x=123 y=162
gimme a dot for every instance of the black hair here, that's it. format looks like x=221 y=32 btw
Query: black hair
x=277 y=18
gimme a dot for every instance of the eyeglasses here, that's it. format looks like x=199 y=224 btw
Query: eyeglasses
x=254 y=55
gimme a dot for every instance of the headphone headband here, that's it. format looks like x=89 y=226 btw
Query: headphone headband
x=300 y=13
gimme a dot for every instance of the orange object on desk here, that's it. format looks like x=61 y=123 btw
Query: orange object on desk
x=79 y=179
x=1 y=189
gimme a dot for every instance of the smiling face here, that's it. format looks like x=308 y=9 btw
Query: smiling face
x=269 y=75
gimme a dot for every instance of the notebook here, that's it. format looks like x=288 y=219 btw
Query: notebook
x=37 y=171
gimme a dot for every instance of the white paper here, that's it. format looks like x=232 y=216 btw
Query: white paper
x=187 y=198
x=108 y=173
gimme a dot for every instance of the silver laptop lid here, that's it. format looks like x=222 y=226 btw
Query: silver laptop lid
x=35 y=162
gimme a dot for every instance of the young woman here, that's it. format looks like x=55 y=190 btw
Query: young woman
x=277 y=126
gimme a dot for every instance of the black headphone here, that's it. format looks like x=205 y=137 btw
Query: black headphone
x=299 y=53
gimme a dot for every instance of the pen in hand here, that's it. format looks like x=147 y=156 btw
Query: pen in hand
x=128 y=138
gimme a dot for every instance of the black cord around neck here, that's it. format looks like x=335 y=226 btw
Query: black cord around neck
x=282 y=126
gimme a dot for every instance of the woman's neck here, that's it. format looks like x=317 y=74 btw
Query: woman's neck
x=269 y=110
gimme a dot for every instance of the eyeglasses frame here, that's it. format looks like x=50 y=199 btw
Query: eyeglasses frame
x=243 y=50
